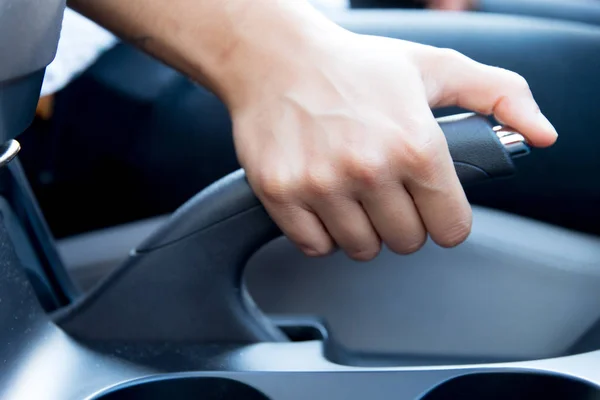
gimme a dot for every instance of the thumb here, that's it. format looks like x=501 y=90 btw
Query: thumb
x=463 y=82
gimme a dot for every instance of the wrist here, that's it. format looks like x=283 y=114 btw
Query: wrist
x=266 y=46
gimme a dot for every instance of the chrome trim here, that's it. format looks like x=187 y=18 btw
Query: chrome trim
x=8 y=151
x=512 y=138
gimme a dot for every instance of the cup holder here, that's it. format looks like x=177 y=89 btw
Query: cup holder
x=514 y=386
x=184 y=389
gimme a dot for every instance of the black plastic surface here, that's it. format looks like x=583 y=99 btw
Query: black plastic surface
x=20 y=315
x=186 y=389
x=58 y=289
x=513 y=386
x=476 y=151
x=42 y=362
x=27 y=257
x=189 y=290
x=184 y=283
x=477 y=386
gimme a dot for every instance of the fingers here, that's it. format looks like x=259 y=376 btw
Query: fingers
x=350 y=227
x=417 y=191
x=435 y=188
x=314 y=214
x=393 y=213
x=334 y=217
x=299 y=224
x=442 y=204
x=409 y=189
x=490 y=90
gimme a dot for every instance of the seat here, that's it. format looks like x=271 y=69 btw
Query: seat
x=27 y=49
x=586 y=11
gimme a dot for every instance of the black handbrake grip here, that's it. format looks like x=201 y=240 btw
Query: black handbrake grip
x=477 y=149
x=184 y=283
x=480 y=151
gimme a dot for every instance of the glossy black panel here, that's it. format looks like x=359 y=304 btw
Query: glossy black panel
x=514 y=386
x=185 y=389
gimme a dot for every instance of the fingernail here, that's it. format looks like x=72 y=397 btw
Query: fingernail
x=547 y=124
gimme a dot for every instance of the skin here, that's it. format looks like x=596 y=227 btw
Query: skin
x=334 y=129
x=451 y=5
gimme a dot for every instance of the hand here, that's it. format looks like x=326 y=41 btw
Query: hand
x=338 y=140
x=451 y=5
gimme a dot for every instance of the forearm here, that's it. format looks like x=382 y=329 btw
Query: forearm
x=210 y=40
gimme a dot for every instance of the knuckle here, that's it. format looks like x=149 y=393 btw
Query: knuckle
x=518 y=81
x=369 y=171
x=447 y=55
x=276 y=188
x=320 y=181
x=421 y=156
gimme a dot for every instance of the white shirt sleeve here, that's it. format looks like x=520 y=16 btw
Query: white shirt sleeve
x=331 y=4
x=81 y=43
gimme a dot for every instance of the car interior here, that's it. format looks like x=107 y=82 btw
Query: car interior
x=136 y=263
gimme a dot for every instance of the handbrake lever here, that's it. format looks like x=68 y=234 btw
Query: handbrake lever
x=184 y=283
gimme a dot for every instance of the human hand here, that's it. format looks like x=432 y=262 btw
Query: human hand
x=336 y=134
